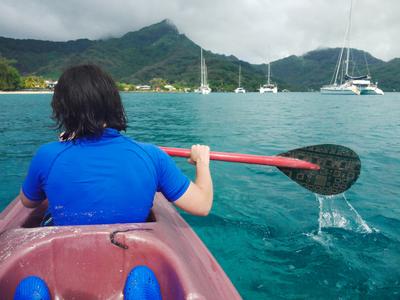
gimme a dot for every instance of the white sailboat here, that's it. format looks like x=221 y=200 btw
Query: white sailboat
x=368 y=88
x=204 y=88
x=269 y=87
x=346 y=84
x=239 y=89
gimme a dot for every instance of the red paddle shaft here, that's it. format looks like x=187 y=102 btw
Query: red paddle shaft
x=277 y=161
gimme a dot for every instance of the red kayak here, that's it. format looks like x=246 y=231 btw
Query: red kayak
x=92 y=262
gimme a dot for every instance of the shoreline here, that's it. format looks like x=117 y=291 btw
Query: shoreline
x=26 y=92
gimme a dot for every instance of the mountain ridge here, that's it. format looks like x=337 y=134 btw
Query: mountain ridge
x=160 y=50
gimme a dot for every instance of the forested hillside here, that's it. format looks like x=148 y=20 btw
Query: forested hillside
x=160 y=51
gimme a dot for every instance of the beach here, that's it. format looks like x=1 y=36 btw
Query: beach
x=25 y=92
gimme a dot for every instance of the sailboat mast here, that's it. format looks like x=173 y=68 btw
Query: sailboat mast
x=201 y=67
x=339 y=63
x=239 y=75
x=205 y=75
x=348 y=39
x=269 y=73
x=346 y=42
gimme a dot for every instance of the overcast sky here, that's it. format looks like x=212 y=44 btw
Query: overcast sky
x=252 y=30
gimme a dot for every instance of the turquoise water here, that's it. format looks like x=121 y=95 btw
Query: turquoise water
x=273 y=238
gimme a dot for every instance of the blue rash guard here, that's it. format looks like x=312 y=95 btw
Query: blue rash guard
x=111 y=179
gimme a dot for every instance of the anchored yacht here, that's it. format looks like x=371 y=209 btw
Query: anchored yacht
x=346 y=84
x=204 y=88
x=268 y=87
x=239 y=89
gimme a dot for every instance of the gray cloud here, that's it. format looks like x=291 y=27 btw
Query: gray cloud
x=253 y=30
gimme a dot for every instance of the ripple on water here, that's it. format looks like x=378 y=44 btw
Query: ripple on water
x=264 y=229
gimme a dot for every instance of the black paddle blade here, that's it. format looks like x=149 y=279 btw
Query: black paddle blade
x=339 y=168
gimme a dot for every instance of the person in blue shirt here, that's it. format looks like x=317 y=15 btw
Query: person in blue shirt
x=96 y=175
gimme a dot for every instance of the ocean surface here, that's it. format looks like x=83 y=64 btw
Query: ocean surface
x=274 y=239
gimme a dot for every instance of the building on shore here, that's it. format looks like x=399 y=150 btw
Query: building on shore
x=50 y=84
x=143 y=87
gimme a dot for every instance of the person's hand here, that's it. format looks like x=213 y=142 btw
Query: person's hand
x=200 y=155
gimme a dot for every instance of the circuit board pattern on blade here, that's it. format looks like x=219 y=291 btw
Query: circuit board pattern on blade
x=339 y=168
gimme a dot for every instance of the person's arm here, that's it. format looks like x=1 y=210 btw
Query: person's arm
x=198 y=198
x=28 y=203
x=32 y=193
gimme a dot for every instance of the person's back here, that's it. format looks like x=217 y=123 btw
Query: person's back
x=94 y=174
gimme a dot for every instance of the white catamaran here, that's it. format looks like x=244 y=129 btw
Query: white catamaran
x=204 y=88
x=346 y=84
x=239 y=89
x=269 y=87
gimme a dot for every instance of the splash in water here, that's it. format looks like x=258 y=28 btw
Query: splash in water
x=337 y=212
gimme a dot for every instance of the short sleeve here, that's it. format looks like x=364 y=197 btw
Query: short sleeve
x=172 y=183
x=34 y=181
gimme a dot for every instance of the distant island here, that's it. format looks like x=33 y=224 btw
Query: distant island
x=159 y=58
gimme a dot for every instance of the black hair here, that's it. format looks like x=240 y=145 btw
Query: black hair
x=85 y=101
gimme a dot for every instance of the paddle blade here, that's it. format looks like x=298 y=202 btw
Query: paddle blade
x=339 y=168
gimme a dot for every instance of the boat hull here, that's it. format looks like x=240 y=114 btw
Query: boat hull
x=268 y=88
x=92 y=262
x=203 y=90
x=266 y=91
x=371 y=91
x=240 y=91
x=339 y=91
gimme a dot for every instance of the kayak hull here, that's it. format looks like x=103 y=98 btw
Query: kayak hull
x=92 y=262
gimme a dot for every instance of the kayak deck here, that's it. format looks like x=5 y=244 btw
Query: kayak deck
x=92 y=262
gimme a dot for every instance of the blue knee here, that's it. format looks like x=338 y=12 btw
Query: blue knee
x=142 y=284
x=32 y=288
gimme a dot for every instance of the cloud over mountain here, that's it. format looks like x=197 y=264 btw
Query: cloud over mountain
x=253 y=30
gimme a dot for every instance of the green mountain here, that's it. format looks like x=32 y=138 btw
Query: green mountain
x=316 y=68
x=160 y=51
